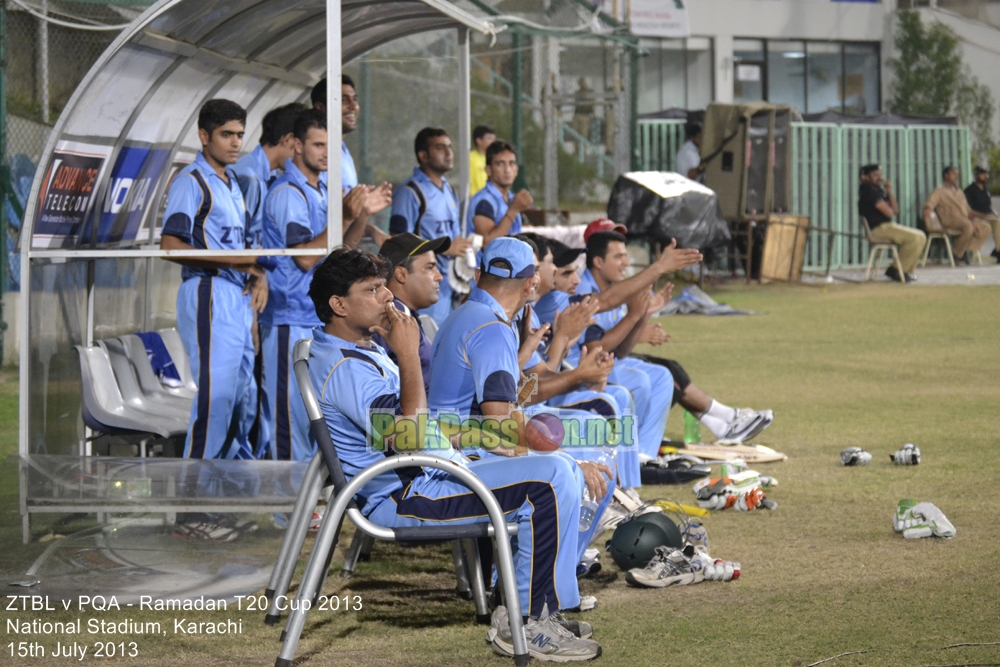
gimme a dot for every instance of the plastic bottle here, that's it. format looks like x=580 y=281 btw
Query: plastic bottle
x=692 y=428
x=588 y=508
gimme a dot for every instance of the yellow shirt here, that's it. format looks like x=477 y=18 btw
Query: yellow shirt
x=477 y=172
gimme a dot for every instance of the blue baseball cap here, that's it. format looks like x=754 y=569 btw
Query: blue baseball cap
x=507 y=257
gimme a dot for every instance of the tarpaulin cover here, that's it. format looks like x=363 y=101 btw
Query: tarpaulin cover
x=660 y=205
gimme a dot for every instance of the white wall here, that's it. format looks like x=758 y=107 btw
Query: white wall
x=723 y=20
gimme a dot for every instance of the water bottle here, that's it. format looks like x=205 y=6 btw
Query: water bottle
x=587 y=510
x=692 y=428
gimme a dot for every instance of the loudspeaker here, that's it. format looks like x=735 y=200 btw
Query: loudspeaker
x=749 y=168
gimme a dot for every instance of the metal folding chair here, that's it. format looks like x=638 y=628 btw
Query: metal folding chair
x=342 y=504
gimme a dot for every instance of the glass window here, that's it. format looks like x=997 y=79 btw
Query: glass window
x=786 y=73
x=861 y=79
x=748 y=70
x=823 y=65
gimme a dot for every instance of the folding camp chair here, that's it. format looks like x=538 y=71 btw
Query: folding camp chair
x=342 y=503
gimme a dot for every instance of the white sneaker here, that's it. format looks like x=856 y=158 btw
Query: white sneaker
x=747 y=424
x=548 y=640
x=669 y=567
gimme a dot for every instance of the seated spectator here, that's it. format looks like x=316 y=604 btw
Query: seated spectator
x=426 y=205
x=877 y=205
x=982 y=206
x=956 y=217
x=353 y=377
x=494 y=211
x=414 y=279
x=482 y=137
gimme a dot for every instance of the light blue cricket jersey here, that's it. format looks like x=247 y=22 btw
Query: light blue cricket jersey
x=207 y=213
x=294 y=213
x=441 y=217
x=350 y=382
x=490 y=202
x=254 y=173
x=474 y=359
x=606 y=320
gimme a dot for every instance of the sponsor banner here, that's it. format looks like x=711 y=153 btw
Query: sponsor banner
x=68 y=192
x=130 y=190
x=659 y=18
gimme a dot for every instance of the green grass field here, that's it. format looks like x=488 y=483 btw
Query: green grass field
x=876 y=366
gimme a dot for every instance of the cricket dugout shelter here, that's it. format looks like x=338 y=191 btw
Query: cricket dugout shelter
x=91 y=266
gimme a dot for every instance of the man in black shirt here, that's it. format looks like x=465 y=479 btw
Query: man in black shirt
x=982 y=205
x=878 y=205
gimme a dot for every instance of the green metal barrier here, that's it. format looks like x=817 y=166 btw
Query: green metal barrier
x=816 y=184
x=659 y=141
x=826 y=160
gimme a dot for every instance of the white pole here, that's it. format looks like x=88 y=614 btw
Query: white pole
x=334 y=212
x=464 y=121
x=43 y=62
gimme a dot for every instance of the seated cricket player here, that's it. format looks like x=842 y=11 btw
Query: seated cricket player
x=355 y=379
x=585 y=387
x=414 y=280
x=725 y=422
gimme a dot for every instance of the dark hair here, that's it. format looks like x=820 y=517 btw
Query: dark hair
x=334 y=276
x=869 y=169
x=216 y=113
x=944 y=172
x=424 y=136
x=279 y=122
x=540 y=243
x=597 y=245
x=692 y=130
x=481 y=131
x=318 y=93
x=498 y=147
x=307 y=120
x=981 y=170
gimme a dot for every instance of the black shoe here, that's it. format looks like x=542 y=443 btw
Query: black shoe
x=891 y=273
x=910 y=278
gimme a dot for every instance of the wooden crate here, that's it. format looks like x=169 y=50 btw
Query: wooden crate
x=784 y=248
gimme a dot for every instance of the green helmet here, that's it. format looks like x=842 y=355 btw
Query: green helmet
x=634 y=542
x=674 y=537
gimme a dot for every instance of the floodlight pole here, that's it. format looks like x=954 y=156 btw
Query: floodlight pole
x=334 y=209
x=464 y=123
